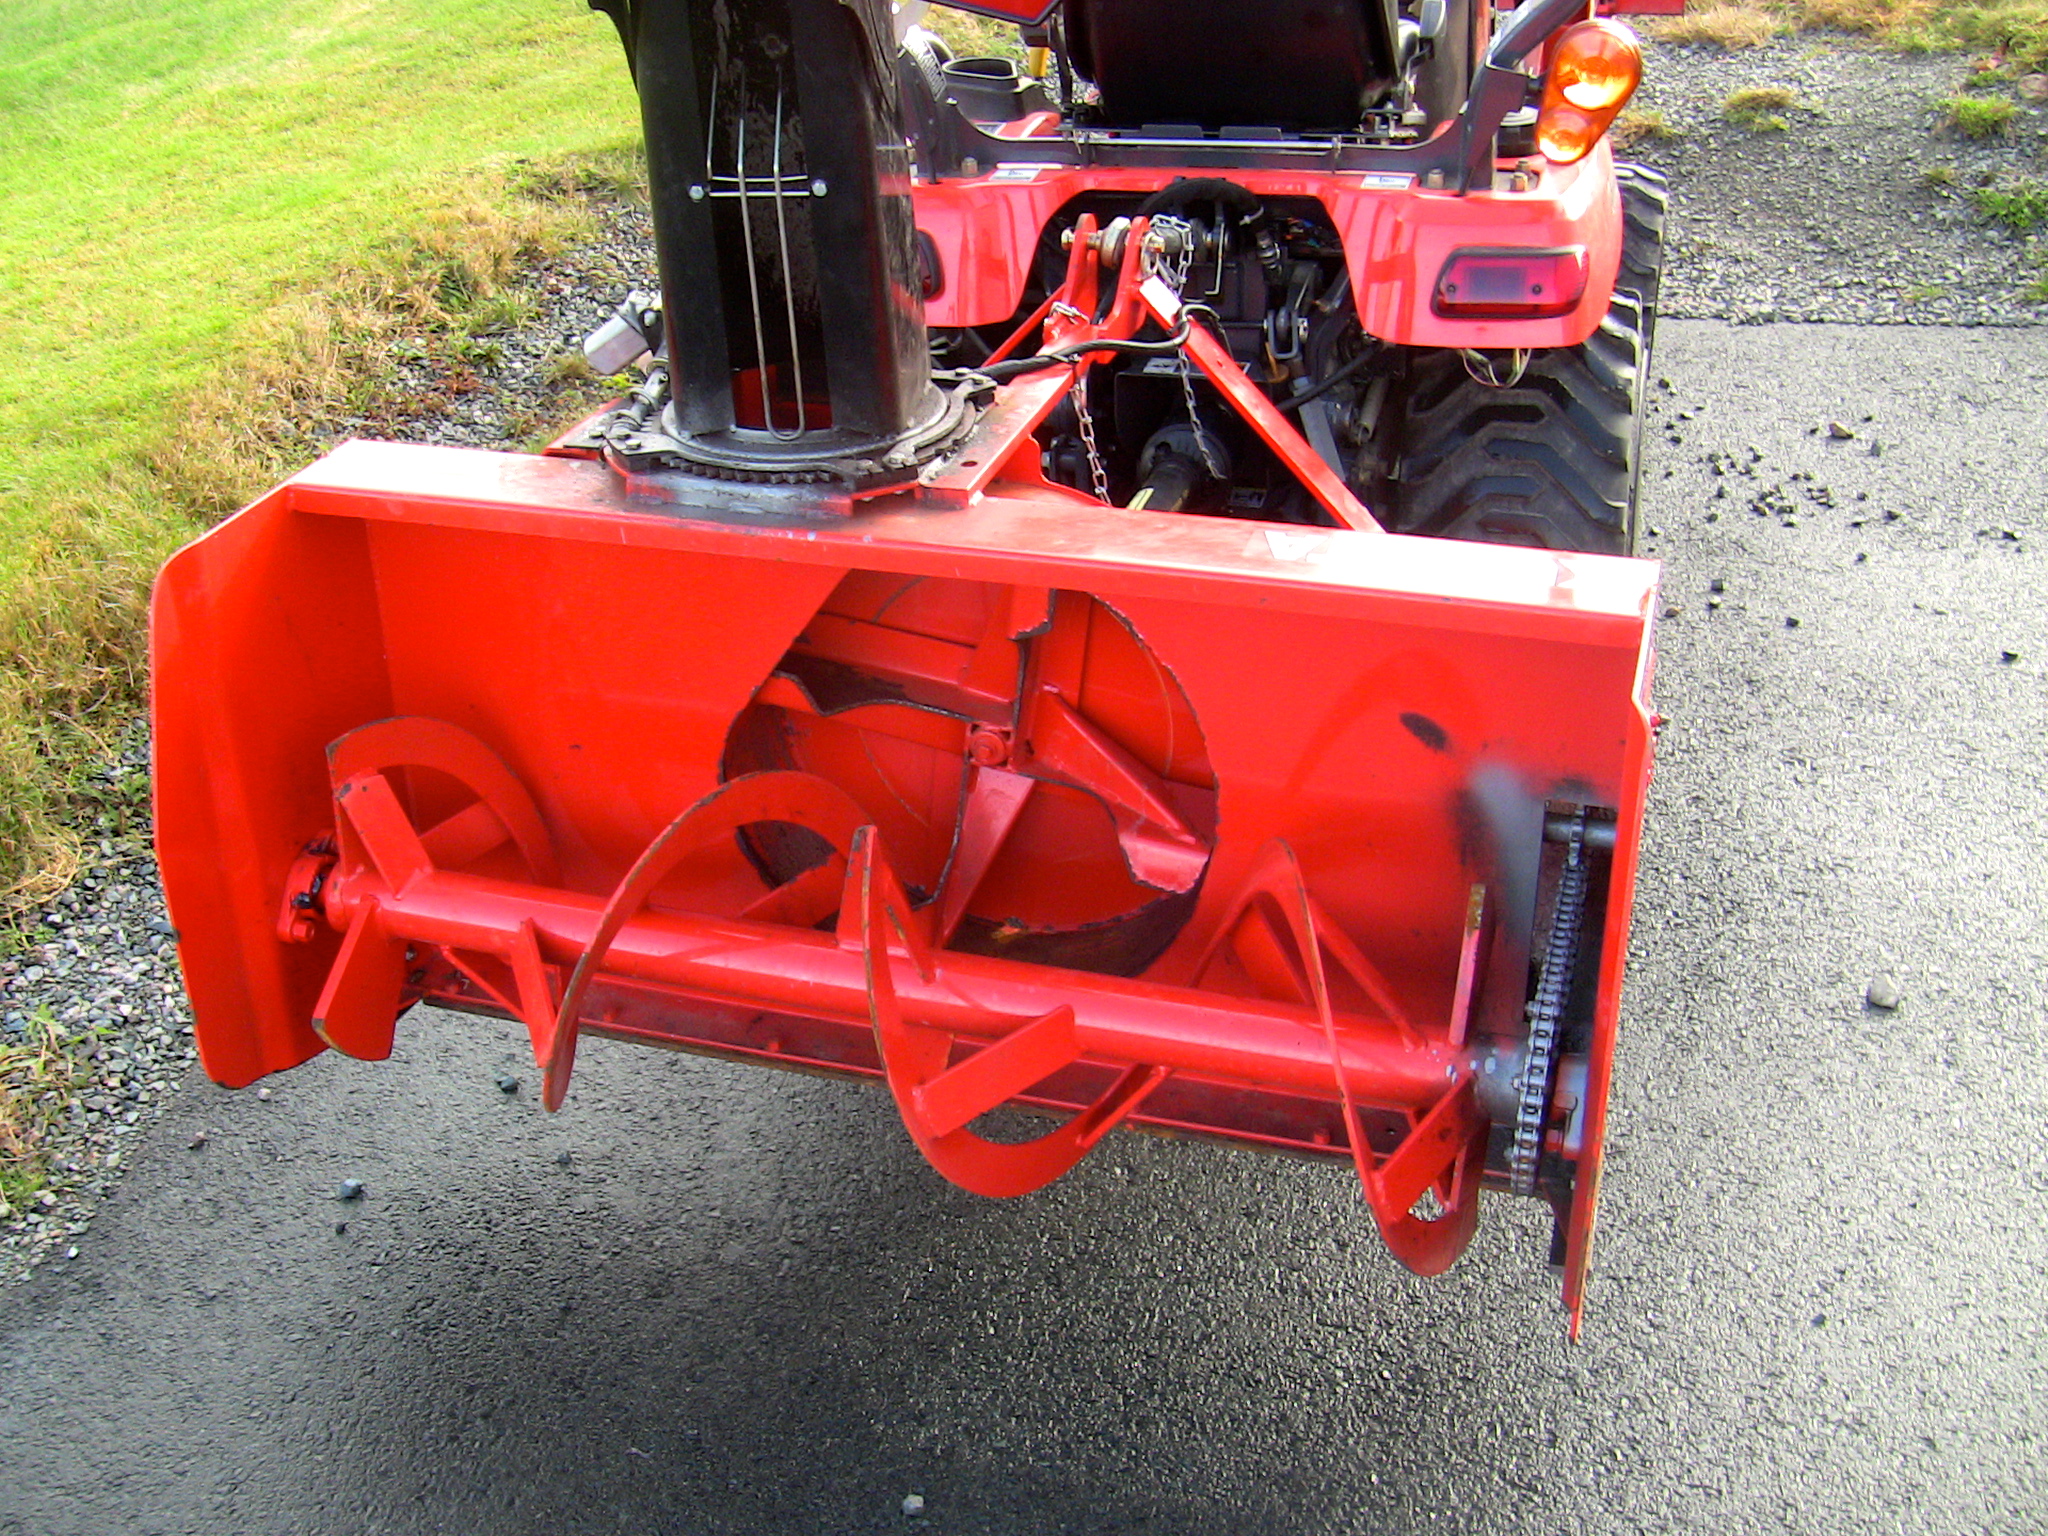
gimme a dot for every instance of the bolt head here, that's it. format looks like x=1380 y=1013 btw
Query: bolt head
x=988 y=747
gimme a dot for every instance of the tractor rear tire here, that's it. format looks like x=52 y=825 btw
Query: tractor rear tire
x=1645 y=201
x=1553 y=457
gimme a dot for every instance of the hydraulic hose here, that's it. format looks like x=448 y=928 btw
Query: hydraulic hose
x=1011 y=367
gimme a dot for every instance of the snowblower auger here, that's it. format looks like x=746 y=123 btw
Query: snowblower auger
x=1054 y=729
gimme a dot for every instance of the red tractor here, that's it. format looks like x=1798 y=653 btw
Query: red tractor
x=991 y=651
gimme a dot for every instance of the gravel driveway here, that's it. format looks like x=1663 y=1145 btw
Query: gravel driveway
x=712 y=1299
x=1858 y=210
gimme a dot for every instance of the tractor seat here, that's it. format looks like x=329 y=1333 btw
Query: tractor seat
x=1304 y=65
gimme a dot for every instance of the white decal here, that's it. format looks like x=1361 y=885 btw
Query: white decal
x=1295 y=548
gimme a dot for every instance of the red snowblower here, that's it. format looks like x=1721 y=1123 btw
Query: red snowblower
x=1113 y=598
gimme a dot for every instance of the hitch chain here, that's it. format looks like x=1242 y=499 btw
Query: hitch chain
x=1545 y=1014
x=1187 y=392
x=1087 y=421
x=1173 y=268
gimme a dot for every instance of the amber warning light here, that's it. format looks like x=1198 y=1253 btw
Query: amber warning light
x=1512 y=284
x=1594 y=69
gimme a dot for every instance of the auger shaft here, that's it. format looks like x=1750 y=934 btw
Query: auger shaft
x=732 y=962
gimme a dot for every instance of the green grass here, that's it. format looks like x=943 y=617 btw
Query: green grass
x=218 y=214
x=2014 y=30
x=1759 y=108
x=1977 y=117
x=1728 y=24
x=1641 y=125
x=2020 y=205
x=974 y=36
x=174 y=168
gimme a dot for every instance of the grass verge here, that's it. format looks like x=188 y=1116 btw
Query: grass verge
x=2014 y=31
x=74 y=599
x=231 y=223
x=1737 y=25
x=971 y=36
x=199 y=275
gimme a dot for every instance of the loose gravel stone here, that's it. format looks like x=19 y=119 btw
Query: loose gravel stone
x=350 y=1189
x=913 y=1504
x=513 y=402
x=95 y=965
x=1883 y=992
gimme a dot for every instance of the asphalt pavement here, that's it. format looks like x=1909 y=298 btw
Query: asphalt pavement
x=705 y=1298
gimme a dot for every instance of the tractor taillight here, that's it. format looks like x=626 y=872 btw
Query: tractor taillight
x=1512 y=284
x=1594 y=69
